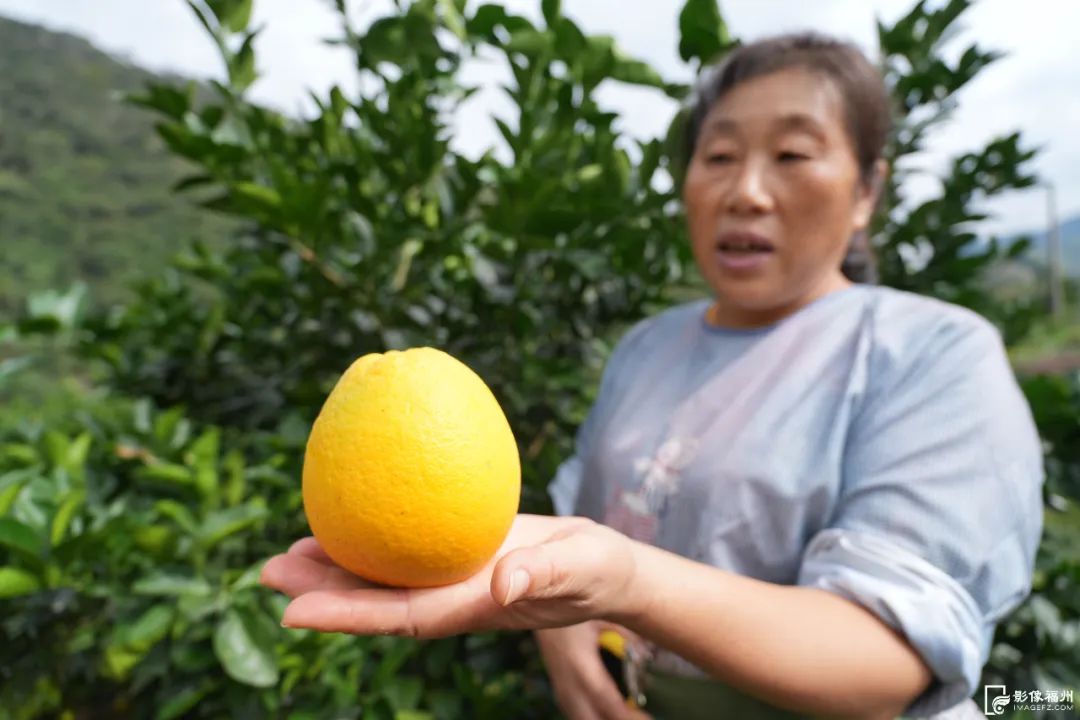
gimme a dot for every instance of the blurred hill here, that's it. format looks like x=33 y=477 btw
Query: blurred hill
x=84 y=180
x=1070 y=246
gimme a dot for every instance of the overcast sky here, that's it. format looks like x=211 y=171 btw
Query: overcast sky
x=1035 y=88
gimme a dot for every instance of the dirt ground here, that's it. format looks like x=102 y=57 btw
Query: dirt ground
x=1051 y=365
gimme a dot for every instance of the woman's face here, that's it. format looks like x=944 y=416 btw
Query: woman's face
x=773 y=196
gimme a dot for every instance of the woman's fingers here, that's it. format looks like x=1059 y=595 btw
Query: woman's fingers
x=581 y=682
x=604 y=693
x=310 y=548
x=579 y=709
x=558 y=563
x=426 y=613
x=295 y=574
x=360 y=612
x=581 y=564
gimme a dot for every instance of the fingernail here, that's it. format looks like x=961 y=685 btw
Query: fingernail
x=519 y=584
x=286 y=621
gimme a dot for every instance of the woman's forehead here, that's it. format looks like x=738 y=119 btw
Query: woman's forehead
x=787 y=100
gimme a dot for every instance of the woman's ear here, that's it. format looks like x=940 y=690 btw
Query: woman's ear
x=869 y=195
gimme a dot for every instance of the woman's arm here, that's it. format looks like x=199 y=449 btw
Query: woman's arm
x=800 y=648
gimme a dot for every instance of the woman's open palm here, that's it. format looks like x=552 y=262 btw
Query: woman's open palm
x=550 y=572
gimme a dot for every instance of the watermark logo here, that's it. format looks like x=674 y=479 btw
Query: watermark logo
x=996 y=698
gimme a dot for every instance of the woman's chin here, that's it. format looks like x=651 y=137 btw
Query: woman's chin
x=751 y=304
x=758 y=295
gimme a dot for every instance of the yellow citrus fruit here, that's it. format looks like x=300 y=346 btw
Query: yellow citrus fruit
x=411 y=473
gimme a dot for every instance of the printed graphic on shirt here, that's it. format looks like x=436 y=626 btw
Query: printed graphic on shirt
x=634 y=512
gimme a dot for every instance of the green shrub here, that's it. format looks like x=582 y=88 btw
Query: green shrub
x=132 y=530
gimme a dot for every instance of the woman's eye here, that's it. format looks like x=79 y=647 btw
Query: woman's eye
x=719 y=158
x=788 y=156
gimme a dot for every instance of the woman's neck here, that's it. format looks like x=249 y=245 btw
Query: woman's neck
x=723 y=314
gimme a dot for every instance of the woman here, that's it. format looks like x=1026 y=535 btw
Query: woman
x=806 y=496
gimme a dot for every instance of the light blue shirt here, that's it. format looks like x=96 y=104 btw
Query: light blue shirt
x=874 y=444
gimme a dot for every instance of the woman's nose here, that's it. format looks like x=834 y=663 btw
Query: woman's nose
x=750 y=191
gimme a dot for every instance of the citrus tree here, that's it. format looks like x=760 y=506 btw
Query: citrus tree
x=132 y=530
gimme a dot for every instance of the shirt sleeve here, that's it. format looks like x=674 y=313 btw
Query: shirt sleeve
x=940 y=511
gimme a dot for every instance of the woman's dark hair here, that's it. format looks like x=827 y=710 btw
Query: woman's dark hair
x=861 y=87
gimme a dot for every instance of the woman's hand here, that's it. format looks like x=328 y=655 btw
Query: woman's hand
x=550 y=572
x=582 y=686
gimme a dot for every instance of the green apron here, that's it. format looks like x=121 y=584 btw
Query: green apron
x=676 y=697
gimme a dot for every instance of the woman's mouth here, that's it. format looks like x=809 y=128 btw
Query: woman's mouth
x=743 y=251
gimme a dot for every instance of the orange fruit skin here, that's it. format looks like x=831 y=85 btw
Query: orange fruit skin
x=411 y=476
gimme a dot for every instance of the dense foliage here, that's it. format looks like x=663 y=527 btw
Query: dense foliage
x=132 y=529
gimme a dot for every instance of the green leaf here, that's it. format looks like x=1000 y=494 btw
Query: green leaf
x=453 y=18
x=589 y=173
x=245 y=651
x=482 y=268
x=413 y=715
x=569 y=40
x=409 y=249
x=636 y=72
x=172 y=427
x=33 y=509
x=242 y=71
x=223 y=523
x=508 y=134
x=69 y=454
x=18 y=454
x=128 y=644
x=17 y=536
x=399 y=40
x=234 y=15
x=154 y=539
x=11 y=367
x=8 y=332
x=197 y=609
x=141 y=413
x=59 y=311
x=359 y=230
x=1046 y=615
x=445 y=703
x=439 y=657
x=250 y=577
x=119 y=661
x=178 y=514
x=193 y=181
x=64 y=515
x=168 y=100
x=12 y=483
x=151 y=627
x=703 y=34
x=552 y=10
x=37 y=326
x=255 y=195
x=203 y=455
x=165 y=472
x=403 y=694
x=179 y=704
x=235 y=486
x=490 y=16
x=393 y=657
x=171 y=585
x=15 y=582
x=530 y=42
x=597 y=60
